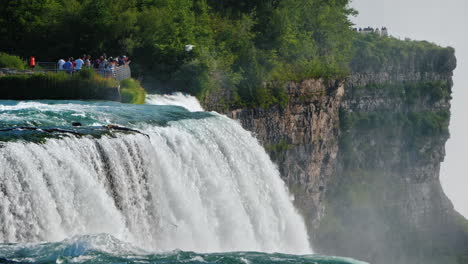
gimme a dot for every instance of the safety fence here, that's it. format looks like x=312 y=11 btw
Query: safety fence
x=118 y=73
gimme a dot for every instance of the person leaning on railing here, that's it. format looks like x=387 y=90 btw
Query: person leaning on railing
x=102 y=64
x=87 y=62
x=68 y=66
x=60 y=64
x=110 y=68
x=96 y=63
x=78 y=64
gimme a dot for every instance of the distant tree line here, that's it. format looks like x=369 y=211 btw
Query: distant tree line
x=237 y=44
x=376 y=54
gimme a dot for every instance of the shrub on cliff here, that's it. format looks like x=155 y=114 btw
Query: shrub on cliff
x=132 y=92
x=11 y=61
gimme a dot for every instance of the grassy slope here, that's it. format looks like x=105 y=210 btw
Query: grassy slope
x=132 y=92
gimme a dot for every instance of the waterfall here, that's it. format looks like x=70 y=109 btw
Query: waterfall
x=178 y=99
x=195 y=184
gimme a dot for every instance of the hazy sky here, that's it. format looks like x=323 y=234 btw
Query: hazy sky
x=444 y=22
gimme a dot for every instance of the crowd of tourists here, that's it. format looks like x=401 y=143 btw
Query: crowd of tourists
x=102 y=64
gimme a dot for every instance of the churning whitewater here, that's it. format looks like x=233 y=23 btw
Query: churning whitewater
x=194 y=181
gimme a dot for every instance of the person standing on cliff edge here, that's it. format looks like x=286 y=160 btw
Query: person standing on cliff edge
x=32 y=62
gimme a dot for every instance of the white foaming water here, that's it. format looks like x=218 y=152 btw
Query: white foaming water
x=178 y=99
x=201 y=185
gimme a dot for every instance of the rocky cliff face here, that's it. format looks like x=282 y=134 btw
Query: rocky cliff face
x=302 y=138
x=362 y=158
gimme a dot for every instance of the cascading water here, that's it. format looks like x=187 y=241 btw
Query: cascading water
x=178 y=99
x=193 y=181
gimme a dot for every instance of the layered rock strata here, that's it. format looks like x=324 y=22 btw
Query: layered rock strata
x=302 y=138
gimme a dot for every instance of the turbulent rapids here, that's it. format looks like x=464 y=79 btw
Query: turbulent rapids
x=197 y=182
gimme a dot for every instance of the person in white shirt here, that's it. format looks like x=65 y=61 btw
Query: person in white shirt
x=60 y=64
x=78 y=64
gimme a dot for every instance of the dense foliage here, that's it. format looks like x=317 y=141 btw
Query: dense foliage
x=132 y=92
x=11 y=61
x=377 y=54
x=248 y=48
x=239 y=45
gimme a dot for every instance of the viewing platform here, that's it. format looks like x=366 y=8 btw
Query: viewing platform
x=119 y=73
x=46 y=81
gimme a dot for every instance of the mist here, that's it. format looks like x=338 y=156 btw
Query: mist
x=444 y=23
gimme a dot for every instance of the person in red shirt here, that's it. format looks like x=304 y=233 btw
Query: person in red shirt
x=32 y=62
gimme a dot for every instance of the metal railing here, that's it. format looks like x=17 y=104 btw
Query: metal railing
x=45 y=65
x=119 y=73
